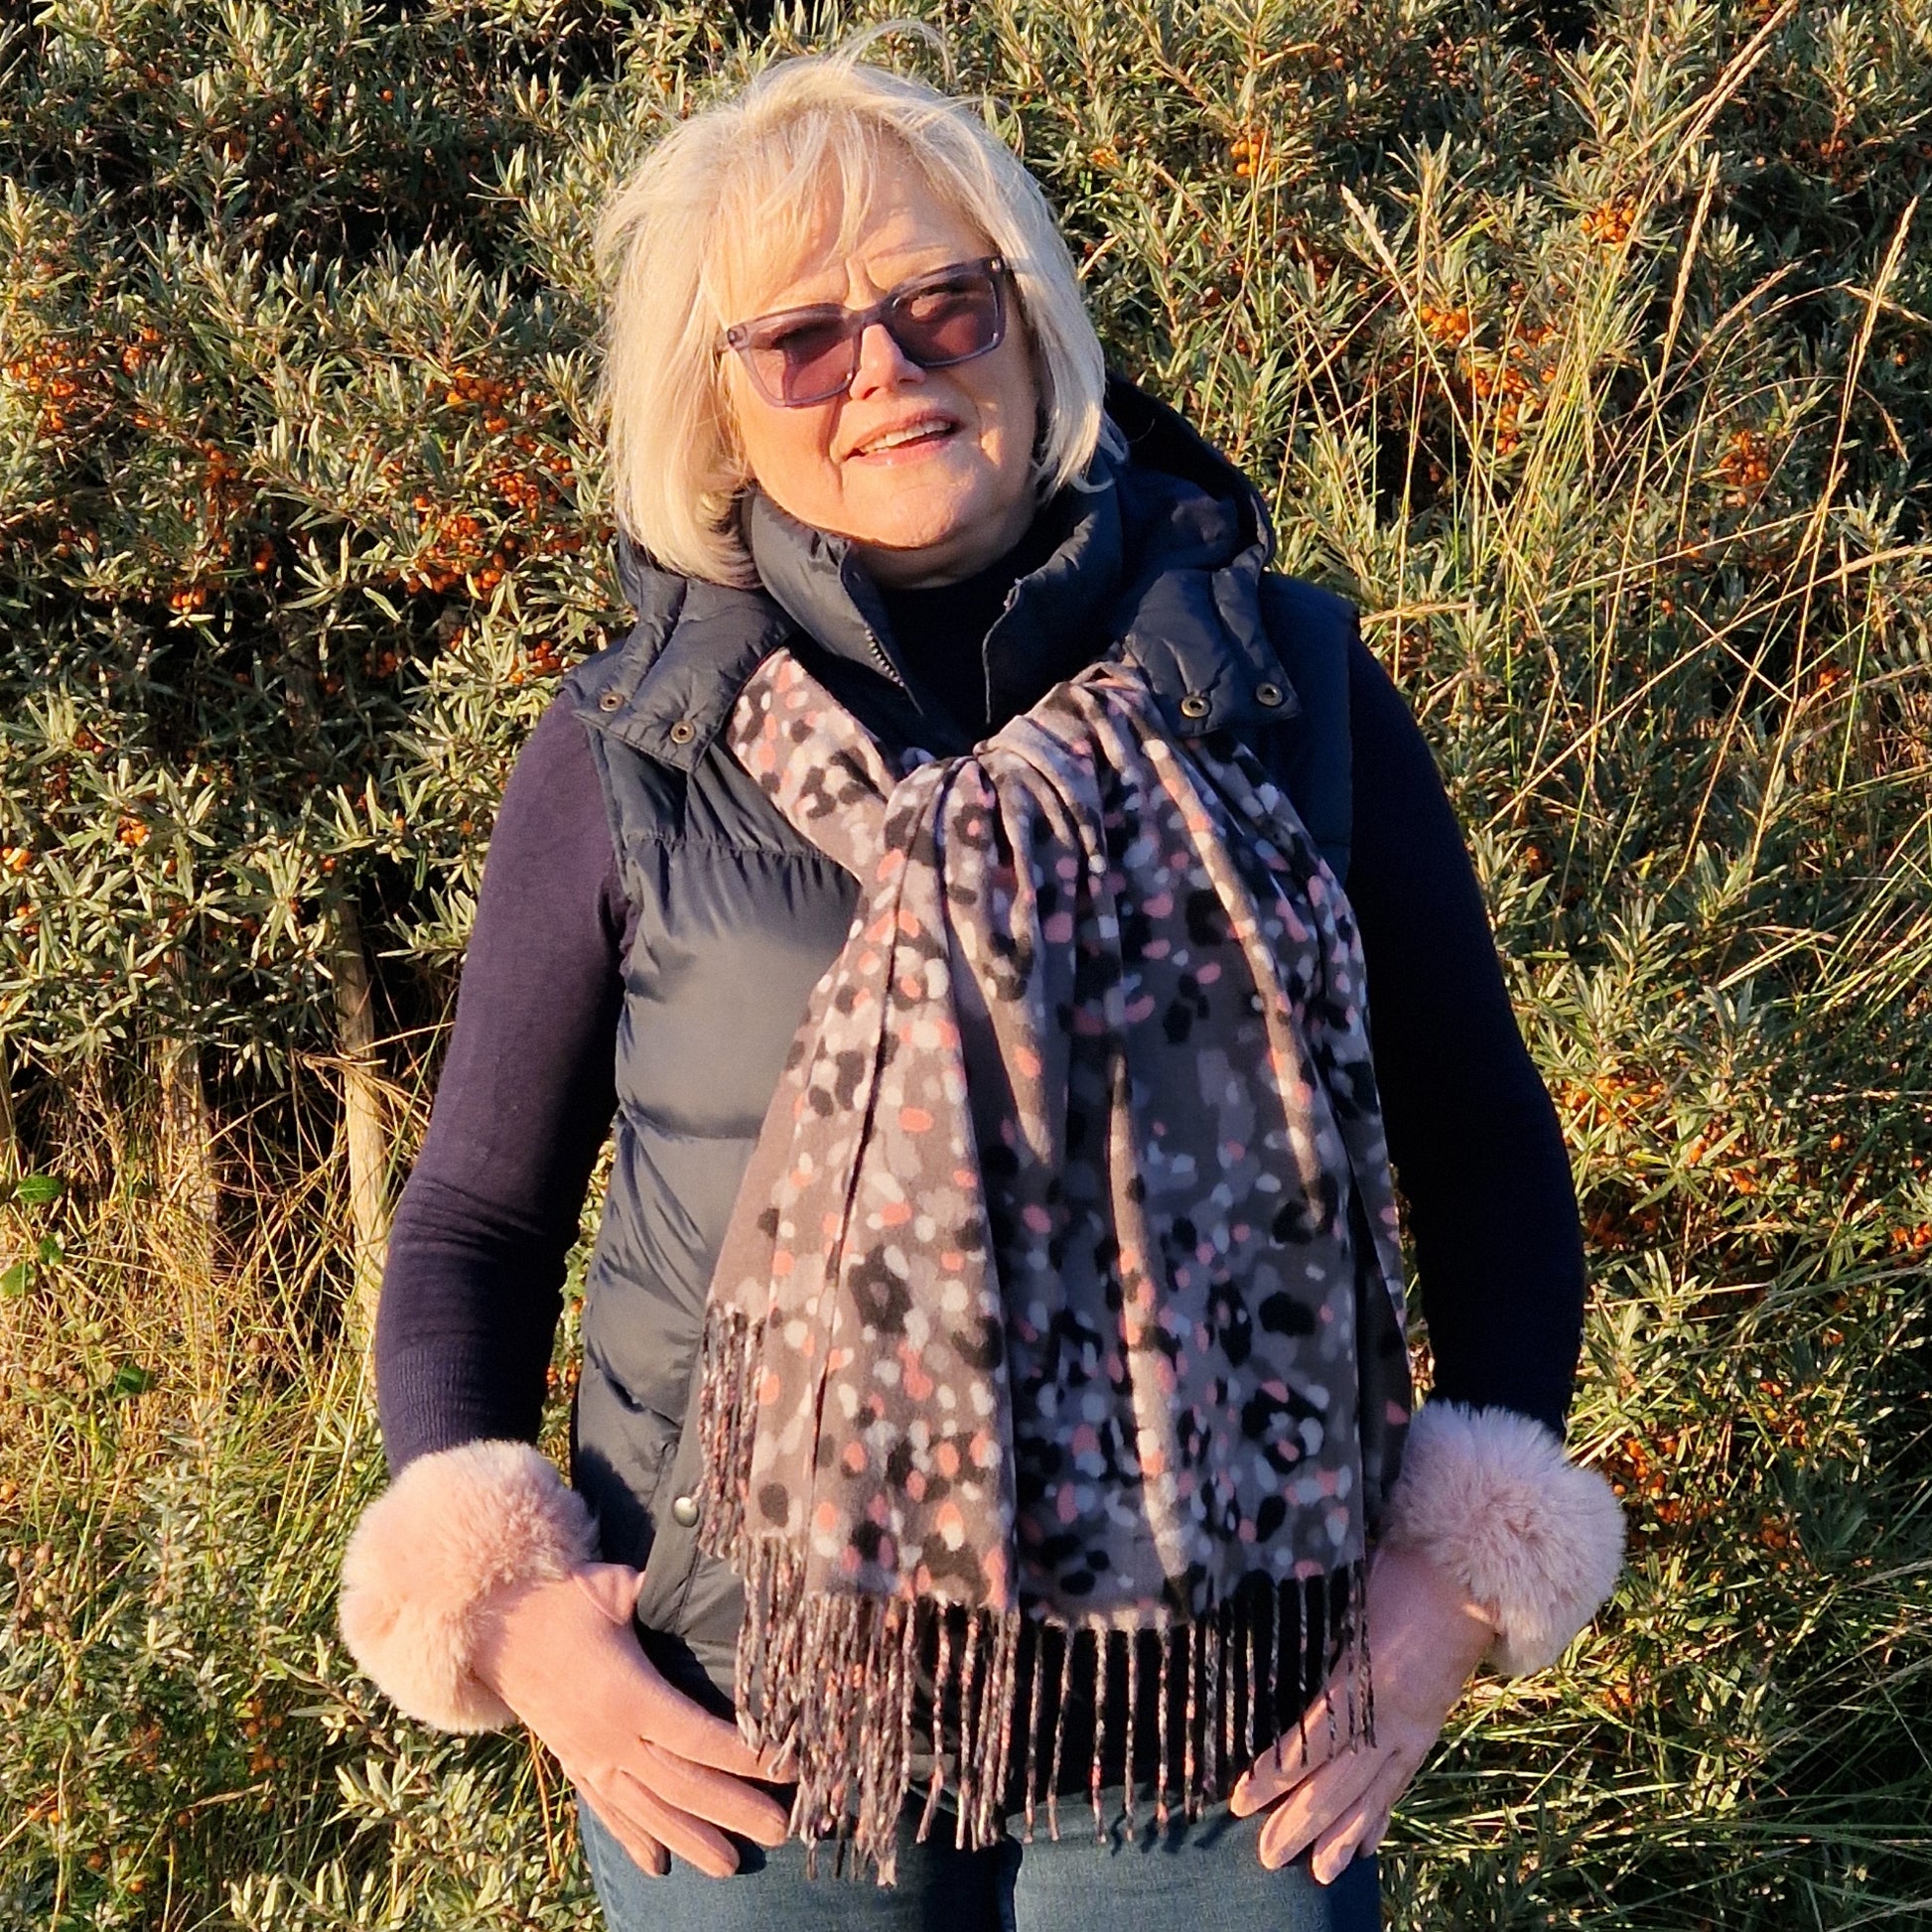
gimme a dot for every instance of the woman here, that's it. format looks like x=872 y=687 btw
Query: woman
x=994 y=1386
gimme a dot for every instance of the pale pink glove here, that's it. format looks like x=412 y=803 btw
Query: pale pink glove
x=1429 y=1635
x=663 y=1775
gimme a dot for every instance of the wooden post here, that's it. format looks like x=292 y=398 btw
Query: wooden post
x=191 y=1177
x=365 y=1125
x=185 y=1230
x=364 y=1118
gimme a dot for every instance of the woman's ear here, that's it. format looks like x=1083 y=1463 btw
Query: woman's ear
x=1043 y=424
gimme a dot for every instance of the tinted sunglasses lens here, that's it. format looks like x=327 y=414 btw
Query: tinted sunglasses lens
x=811 y=356
x=949 y=322
x=803 y=361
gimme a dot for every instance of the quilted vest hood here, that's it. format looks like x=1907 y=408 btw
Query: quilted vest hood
x=1165 y=561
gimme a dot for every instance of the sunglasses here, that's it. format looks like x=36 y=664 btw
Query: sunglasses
x=799 y=356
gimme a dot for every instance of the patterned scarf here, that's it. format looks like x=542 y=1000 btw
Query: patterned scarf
x=1063 y=1283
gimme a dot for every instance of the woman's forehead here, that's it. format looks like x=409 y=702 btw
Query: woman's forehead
x=897 y=227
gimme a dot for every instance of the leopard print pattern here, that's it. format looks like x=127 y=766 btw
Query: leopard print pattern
x=1068 y=1252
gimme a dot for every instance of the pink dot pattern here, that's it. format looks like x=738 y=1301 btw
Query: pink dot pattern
x=1064 y=1278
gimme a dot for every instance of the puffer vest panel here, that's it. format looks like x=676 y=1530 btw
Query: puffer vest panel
x=737 y=919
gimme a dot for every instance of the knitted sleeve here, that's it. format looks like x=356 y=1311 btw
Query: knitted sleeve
x=1475 y=1140
x=470 y=1294
x=1485 y=1488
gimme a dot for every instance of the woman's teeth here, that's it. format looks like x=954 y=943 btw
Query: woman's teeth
x=898 y=438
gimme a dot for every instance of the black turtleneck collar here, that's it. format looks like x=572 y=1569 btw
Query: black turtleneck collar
x=965 y=657
x=944 y=634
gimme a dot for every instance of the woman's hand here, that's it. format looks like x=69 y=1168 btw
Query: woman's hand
x=1428 y=1638
x=663 y=1775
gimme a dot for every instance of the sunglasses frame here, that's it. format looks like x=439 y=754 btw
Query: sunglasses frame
x=855 y=322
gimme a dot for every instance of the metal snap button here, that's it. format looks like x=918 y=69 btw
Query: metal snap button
x=609 y=701
x=1269 y=694
x=684 y=1512
x=683 y=732
x=1193 y=705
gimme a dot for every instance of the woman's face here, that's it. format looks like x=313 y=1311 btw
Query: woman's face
x=929 y=471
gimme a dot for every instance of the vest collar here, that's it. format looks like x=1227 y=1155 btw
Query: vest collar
x=1169 y=540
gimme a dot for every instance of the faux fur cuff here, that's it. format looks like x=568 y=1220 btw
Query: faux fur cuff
x=452 y=1528
x=1533 y=1537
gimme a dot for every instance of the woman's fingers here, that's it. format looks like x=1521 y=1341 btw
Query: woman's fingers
x=1429 y=1636
x=1315 y=1803
x=670 y=1719
x=1359 y=1835
x=697 y=1843
x=643 y=1851
x=1358 y=1830
x=1336 y=1851
x=711 y=1795
x=1282 y=1767
x=1331 y=1822
x=641 y=1819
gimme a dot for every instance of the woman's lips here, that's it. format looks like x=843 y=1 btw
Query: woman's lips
x=909 y=440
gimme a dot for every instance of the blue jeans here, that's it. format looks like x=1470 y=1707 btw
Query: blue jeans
x=1202 y=1876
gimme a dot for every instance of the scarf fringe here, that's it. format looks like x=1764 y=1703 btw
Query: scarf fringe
x=833 y=1681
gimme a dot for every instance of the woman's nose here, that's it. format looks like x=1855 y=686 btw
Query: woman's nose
x=883 y=364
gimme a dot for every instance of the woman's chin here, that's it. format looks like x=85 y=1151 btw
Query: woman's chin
x=917 y=531
x=910 y=537
x=913 y=505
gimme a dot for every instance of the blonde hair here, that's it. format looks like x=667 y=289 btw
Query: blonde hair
x=729 y=189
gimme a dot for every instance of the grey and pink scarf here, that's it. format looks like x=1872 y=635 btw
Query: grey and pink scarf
x=1063 y=1282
